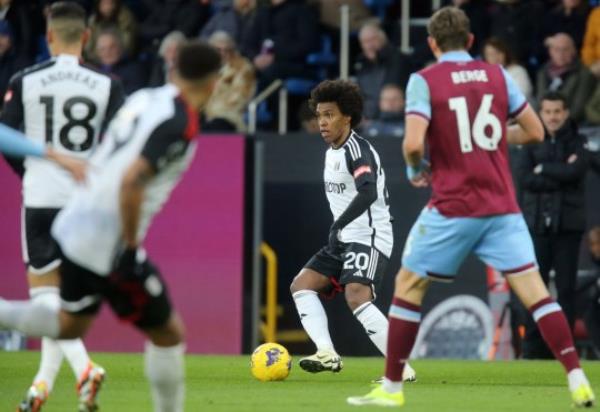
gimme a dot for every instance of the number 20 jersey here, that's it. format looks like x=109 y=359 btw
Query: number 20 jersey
x=65 y=104
x=468 y=110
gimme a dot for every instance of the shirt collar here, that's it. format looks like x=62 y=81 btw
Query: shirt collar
x=455 y=56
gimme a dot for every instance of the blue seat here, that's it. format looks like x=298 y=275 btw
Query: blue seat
x=321 y=61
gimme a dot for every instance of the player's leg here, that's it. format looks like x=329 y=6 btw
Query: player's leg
x=164 y=364
x=507 y=246
x=316 y=277
x=43 y=259
x=142 y=299
x=362 y=273
x=434 y=249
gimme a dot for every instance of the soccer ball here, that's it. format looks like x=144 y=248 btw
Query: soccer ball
x=270 y=362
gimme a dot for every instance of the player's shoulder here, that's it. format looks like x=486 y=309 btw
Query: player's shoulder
x=178 y=117
x=357 y=146
x=21 y=74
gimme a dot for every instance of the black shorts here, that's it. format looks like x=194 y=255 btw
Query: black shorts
x=141 y=299
x=356 y=263
x=40 y=251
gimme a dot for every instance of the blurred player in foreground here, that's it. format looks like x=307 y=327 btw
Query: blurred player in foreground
x=360 y=238
x=461 y=107
x=65 y=104
x=147 y=147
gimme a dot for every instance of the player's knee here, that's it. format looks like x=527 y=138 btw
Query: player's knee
x=356 y=294
x=170 y=334
x=73 y=326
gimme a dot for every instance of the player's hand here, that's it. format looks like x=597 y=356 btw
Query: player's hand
x=334 y=242
x=423 y=179
x=126 y=263
x=77 y=167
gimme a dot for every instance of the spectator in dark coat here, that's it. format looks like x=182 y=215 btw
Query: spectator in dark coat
x=517 y=23
x=24 y=35
x=552 y=177
x=568 y=17
x=380 y=63
x=281 y=37
x=112 y=14
x=478 y=14
x=186 y=16
x=10 y=61
x=234 y=17
x=390 y=121
x=564 y=73
x=112 y=60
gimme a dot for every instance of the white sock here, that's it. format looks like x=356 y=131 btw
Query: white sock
x=165 y=371
x=313 y=318
x=51 y=355
x=576 y=377
x=391 y=387
x=76 y=354
x=375 y=324
x=31 y=318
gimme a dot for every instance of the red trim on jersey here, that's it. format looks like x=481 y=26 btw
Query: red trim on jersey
x=192 y=129
x=519 y=269
x=519 y=110
x=419 y=114
x=361 y=171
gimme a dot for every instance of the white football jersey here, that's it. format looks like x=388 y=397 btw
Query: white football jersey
x=62 y=103
x=346 y=168
x=155 y=124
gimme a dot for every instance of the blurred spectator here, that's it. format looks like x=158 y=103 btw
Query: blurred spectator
x=308 y=119
x=567 y=17
x=234 y=17
x=495 y=51
x=390 y=121
x=165 y=59
x=280 y=38
x=111 y=14
x=477 y=12
x=552 y=176
x=329 y=13
x=590 y=52
x=380 y=63
x=592 y=108
x=186 y=16
x=564 y=73
x=234 y=89
x=518 y=24
x=24 y=34
x=10 y=61
x=112 y=59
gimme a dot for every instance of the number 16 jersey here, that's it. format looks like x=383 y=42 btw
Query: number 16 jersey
x=65 y=104
x=467 y=104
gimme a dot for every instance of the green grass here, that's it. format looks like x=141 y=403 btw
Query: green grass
x=221 y=383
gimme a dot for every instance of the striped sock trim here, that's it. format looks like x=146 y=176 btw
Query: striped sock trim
x=546 y=310
x=403 y=310
x=540 y=303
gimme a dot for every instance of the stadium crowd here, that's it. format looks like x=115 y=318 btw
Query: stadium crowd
x=546 y=45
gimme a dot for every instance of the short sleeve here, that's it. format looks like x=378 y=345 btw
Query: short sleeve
x=361 y=162
x=418 y=99
x=516 y=99
x=165 y=145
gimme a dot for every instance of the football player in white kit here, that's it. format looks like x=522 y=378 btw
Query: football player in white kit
x=147 y=147
x=360 y=238
x=65 y=104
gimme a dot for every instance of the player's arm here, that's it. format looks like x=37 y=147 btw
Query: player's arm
x=418 y=113
x=529 y=128
x=164 y=145
x=12 y=116
x=529 y=180
x=17 y=146
x=364 y=170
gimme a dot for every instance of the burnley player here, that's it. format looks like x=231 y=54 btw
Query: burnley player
x=360 y=238
x=147 y=147
x=461 y=106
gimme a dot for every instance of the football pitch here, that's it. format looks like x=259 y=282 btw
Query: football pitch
x=224 y=383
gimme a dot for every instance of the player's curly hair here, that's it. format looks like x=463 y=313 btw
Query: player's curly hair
x=344 y=93
x=450 y=27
